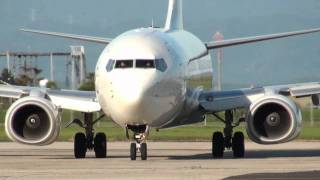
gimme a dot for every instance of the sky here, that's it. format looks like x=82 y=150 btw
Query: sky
x=289 y=60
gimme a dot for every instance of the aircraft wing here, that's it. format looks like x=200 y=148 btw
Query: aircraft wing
x=71 y=36
x=83 y=101
x=213 y=101
x=253 y=39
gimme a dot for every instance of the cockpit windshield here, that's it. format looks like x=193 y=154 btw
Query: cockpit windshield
x=122 y=64
x=158 y=64
x=143 y=63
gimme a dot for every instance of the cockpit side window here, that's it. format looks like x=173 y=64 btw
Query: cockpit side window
x=110 y=65
x=123 y=64
x=143 y=63
x=161 y=65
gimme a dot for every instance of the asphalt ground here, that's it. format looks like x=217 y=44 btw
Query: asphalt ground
x=167 y=160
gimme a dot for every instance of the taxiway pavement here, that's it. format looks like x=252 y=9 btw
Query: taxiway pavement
x=167 y=160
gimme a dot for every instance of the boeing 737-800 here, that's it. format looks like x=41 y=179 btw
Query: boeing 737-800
x=144 y=79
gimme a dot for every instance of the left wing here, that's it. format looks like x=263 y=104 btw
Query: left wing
x=83 y=101
x=213 y=101
x=253 y=39
x=71 y=36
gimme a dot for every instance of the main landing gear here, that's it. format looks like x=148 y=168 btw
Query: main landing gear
x=228 y=140
x=140 y=134
x=89 y=140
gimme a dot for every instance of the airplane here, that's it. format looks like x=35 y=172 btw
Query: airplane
x=144 y=79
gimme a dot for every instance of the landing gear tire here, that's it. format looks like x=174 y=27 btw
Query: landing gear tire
x=80 y=146
x=100 y=145
x=238 y=146
x=143 y=150
x=217 y=145
x=133 y=151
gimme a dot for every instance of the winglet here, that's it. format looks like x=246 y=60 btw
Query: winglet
x=174 y=16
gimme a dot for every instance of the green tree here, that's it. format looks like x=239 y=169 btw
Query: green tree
x=88 y=85
x=7 y=77
x=29 y=77
x=24 y=80
x=52 y=85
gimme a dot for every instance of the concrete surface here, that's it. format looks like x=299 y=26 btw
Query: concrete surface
x=167 y=160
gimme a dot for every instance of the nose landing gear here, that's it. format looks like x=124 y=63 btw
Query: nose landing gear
x=87 y=141
x=140 y=145
x=228 y=140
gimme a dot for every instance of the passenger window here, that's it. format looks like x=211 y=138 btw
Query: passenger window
x=161 y=65
x=144 y=63
x=110 y=65
x=122 y=64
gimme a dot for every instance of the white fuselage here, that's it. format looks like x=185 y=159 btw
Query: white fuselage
x=137 y=95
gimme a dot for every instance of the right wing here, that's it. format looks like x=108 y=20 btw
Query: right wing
x=253 y=39
x=217 y=101
x=71 y=36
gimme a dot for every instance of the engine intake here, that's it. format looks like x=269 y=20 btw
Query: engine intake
x=33 y=121
x=273 y=119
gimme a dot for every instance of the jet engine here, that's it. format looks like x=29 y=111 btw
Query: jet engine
x=273 y=119
x=32 y=120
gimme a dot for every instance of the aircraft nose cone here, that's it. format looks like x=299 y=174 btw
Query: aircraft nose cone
x=134 y=89
x=132 y=95
x=142 y=97
x=132 y=99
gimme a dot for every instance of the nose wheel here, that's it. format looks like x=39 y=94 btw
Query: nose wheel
x=228 y=140
x=143 y=151
x=133 y=151
x=142 y=148
x=140 y=145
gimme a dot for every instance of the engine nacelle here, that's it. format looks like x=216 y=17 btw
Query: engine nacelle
x=273 y=119
x=32 y=120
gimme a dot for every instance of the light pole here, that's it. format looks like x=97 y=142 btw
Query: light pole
x=8 y=61
x=218 y=37
x=51 y=68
